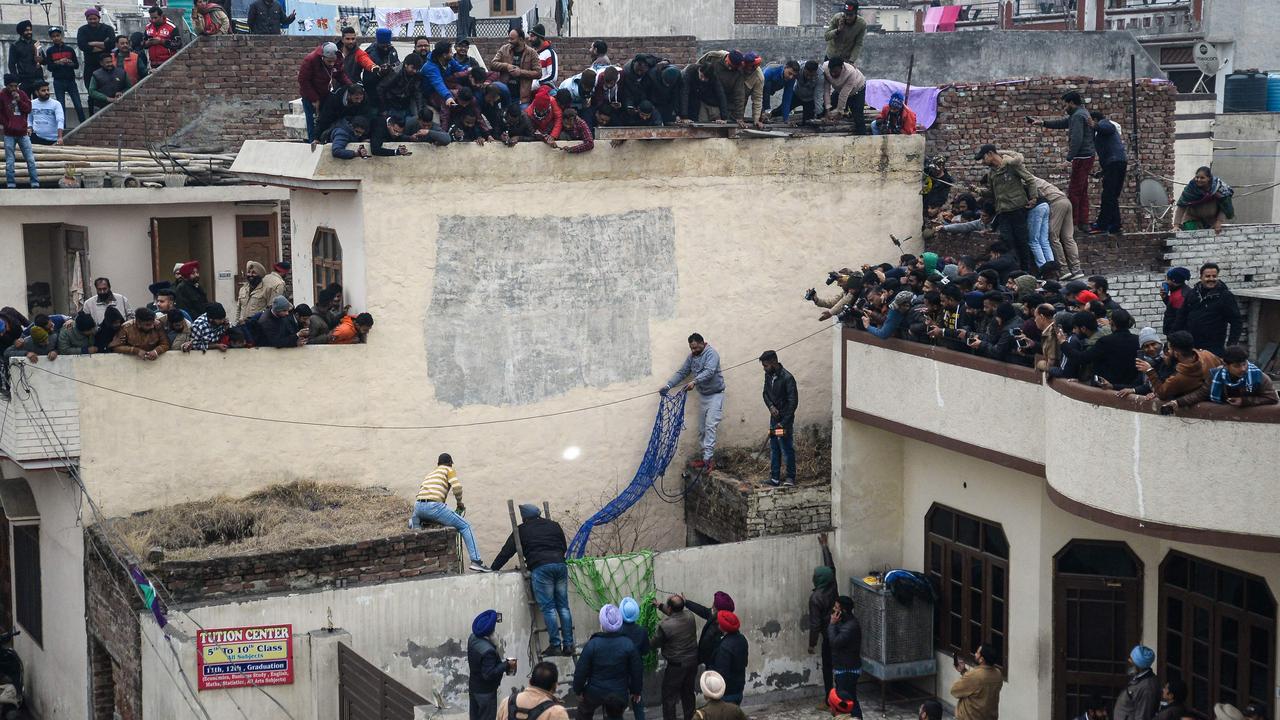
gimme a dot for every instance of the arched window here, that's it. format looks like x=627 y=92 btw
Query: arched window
x=326 y=259
x=968 y=560
x=1218 y=632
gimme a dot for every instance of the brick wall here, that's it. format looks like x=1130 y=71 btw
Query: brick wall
x=755 y=12
x=414 y=554
x=724 y=510
x=220 y=91
x=970 y=115
x=111 y=613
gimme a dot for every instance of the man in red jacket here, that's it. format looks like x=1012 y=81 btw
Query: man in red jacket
x=15 y=106
x=162 y=38
x=320 y=74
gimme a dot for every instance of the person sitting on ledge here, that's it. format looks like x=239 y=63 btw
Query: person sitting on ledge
x=1237 y=382
x=1205 y=203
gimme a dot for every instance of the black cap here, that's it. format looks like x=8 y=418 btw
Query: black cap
x=982 y=151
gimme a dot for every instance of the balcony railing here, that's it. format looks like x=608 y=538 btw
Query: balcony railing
x=1203 y=474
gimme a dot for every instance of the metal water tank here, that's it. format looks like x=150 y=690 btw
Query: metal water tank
x=1245 y=92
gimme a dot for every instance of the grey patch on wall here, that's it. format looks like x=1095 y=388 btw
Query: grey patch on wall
x=446 y=662
x=517 y=317
x=787 y=680
x=771 y=629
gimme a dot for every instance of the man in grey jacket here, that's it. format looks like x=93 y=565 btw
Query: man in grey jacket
x=677 y=637
x=703 y=364
x=1140 y=698
x=1079 y=154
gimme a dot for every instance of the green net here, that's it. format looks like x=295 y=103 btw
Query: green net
x=603 y=580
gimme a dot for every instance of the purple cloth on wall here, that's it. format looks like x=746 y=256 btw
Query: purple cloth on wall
x=923 y=100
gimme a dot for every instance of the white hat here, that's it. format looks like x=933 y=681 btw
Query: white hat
x=177 y=266
x=713 y=686
x=1226 y=711
x=329 y=50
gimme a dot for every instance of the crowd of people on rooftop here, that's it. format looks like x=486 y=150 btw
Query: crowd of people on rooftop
x=1074 y=330
x=441 y=93
x=180 y=317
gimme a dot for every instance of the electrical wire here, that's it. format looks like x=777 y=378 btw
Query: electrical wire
x=356 y=426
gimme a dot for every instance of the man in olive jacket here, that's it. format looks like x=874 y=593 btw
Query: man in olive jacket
x=782 y=399
x=845 y=34
x=977 y=692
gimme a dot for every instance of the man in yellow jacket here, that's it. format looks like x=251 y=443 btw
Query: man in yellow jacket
x=977 y=692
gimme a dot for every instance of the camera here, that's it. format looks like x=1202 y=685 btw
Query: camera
x=832 y=277
x=810 y=294
x=499 y=618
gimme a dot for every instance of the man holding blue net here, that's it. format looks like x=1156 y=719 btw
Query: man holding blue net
x=703 y=364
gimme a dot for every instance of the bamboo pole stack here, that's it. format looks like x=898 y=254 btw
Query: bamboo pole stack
x=52 y=161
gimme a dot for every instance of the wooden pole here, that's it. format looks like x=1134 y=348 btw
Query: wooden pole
x=911 y=64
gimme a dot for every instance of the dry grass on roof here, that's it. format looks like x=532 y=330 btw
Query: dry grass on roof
x=279 y=517
x=813 y=458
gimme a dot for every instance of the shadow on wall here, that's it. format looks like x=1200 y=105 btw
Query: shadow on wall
x=508 y=325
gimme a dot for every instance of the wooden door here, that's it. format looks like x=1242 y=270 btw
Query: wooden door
x=367 y=693
x=1097 y=619
x=256 y=239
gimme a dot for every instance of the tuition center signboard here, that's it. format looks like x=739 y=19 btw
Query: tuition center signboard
x=244 y=656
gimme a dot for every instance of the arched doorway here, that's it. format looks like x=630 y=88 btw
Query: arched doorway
x=1097 y=619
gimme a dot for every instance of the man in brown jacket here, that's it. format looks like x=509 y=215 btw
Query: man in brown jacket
x=141 y=336
x=516 y=62
x=977 y=692
x=1190 y=373
x=539 y=696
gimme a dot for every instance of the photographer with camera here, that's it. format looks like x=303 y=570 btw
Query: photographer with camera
x=850 y=281
x=977 y=692
x=486 y=667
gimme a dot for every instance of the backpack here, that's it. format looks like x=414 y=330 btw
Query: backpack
x=530 y=714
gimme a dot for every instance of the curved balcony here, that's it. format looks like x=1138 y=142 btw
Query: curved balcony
x=1199 y=475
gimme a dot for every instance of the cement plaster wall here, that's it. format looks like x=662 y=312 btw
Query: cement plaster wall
x=416 y=630
x=755 y=223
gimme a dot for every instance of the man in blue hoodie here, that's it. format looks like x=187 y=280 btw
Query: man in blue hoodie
x=486 y=667
x=608 y=673
x=780 y=77
x=703 y=364
x=639 y=637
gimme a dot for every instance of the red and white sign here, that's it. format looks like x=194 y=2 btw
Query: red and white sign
x=244 y=656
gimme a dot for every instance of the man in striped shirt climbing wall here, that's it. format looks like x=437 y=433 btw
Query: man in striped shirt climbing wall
x=431 y=507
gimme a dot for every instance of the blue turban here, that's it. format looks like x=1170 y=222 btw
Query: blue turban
x=973 y=299
x=383 y=36
x=610 y=618
x=529 y=511
x=1143 y=657
x=630 y=609
x=484 y=623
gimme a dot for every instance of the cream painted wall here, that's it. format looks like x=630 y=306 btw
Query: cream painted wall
x=57 y=668
x=742 y=266
x=341 y=212
x=1142 y=462
x=416 y=630
x=118 y=223
x=1037 y=530
x=939 y=396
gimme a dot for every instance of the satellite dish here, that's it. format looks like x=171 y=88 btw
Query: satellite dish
x=1152 y=195
x=1207 y=58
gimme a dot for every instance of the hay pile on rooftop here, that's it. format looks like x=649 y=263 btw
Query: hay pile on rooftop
x=751 y=464
x=279 y=517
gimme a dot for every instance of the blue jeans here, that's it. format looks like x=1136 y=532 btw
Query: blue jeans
x=712 y=411
x=440 y=514
x=551 y=590
x=25 y=143
x=309 y=112
x=62 y=88
x=778 y=448
x=1038 y=233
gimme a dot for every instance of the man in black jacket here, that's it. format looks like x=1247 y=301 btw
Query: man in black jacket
x=543 y=545
x=821 y=601
x=781 y=397
x=1112 y=356
x=24 y=59
x=1000 y=261
x=276 y=326
x=344 y=104
x=485 y=667
x=730 y=658
x=845 y=635
x=1210 y=312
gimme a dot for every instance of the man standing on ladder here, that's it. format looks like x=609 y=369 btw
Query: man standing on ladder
x=703 y=364
x=543 y=545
